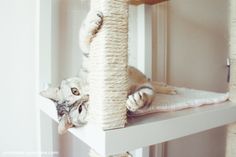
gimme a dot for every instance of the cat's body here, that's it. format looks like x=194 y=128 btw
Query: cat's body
x=141 y=89
x=71 y=91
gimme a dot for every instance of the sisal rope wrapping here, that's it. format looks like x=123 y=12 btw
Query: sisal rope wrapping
x=231 y=130
x=108 y=65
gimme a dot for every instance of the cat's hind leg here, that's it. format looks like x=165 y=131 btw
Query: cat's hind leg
x=141 y=96
x=89 y=28
x=163 y=88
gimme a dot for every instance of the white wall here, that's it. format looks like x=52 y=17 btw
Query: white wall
x=197 y=50
x=67 y=16
x=198 y=43
x=18 y=131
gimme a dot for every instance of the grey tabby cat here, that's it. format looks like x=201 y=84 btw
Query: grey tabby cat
x=71 y=97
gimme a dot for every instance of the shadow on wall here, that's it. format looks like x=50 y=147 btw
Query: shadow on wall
x=198 y=44
x=66 y=20
x=197 y=52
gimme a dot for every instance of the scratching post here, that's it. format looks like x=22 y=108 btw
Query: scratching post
x=231 y=130
x=108 y=65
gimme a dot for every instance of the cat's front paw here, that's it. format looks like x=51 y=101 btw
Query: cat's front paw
x=94 y=21
x=136 y=101
x=64 y=124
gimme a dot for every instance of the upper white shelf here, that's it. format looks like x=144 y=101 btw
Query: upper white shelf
x=149 y=129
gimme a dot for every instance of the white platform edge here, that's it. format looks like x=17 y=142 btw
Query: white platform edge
x=150 y=129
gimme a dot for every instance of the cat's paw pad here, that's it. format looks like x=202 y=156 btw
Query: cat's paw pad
x=95 y=20
x=136 y=101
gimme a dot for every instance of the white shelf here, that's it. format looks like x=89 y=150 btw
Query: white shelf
x=150 y=129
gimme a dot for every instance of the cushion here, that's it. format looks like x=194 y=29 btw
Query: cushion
x=185 y=98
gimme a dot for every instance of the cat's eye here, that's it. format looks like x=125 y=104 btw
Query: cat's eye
x=75 y=91
x=80 y=108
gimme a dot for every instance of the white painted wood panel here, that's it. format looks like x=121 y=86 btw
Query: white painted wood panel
x=144 y=37
x=159 y=56
x=45 y=42
x=144 y=52
x=45 y=72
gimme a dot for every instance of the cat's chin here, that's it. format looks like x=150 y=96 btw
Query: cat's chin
x=80 y=124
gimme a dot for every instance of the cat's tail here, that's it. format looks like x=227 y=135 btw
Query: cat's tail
x=162 y=88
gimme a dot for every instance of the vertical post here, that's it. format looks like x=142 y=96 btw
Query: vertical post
x=108 y=65
x=46 y=134
x=45 y=42
x=44 y=72
x=144 y=44
x=231 y=130
x=157 y=150
x=144 y=53
x=159 y=39
x=152 y=37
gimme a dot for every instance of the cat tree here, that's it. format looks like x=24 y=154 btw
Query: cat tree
x=108 y=65
x=108 y=91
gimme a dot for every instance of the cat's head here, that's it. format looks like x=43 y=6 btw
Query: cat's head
x=69 y=97
x=69 y=91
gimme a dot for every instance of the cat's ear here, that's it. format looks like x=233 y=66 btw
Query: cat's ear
x=51 y=93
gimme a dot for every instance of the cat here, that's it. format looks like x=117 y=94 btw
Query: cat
x=72 y=96
x=141 y=89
